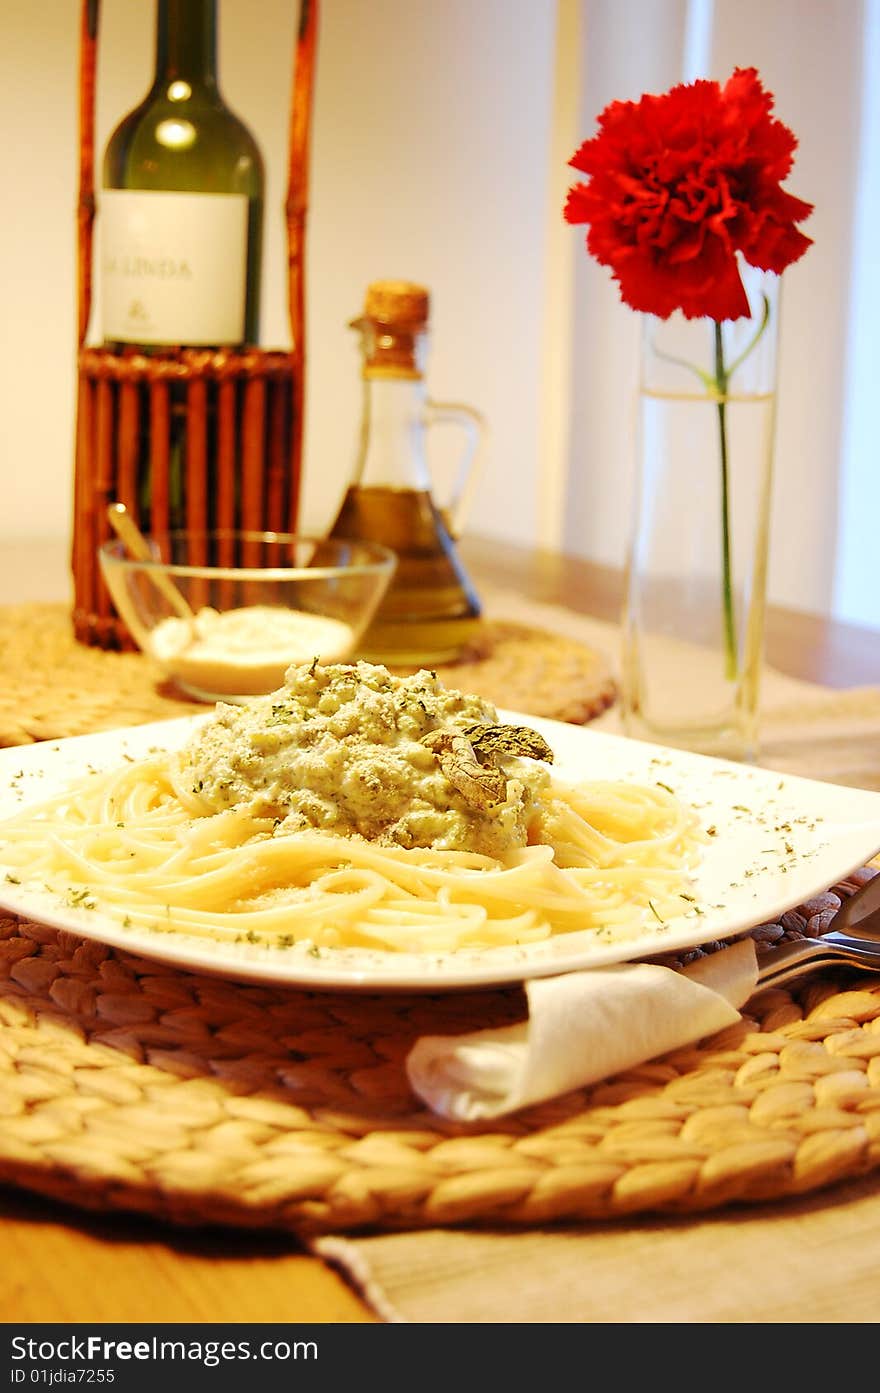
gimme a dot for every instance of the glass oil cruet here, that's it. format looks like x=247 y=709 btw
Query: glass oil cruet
x=431 y=612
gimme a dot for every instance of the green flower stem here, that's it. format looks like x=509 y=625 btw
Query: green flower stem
x=731 y=664
x=718 y=387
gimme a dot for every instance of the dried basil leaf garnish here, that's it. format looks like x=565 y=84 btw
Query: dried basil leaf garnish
x=480 y=785
x=491 y=740
x=470 y=759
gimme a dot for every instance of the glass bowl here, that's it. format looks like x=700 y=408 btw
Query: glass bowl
x=224 y=614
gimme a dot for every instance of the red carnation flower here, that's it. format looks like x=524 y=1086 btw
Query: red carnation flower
x=678 y=184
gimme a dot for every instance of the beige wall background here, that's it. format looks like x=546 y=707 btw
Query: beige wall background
x=431 y=130
x=441 y=134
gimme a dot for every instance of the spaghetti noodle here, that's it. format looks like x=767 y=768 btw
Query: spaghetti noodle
x=140 y=844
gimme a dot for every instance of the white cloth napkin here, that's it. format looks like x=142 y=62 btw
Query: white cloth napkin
x=581 y=1027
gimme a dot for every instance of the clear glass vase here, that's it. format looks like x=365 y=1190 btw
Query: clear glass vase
x=693 y=624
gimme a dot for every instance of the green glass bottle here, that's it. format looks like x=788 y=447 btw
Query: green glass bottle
x=181 y=208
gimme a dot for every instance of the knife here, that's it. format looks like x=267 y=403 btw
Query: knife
x=859 y=917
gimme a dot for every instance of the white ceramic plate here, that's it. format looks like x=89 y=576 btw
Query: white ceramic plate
x=778 y=841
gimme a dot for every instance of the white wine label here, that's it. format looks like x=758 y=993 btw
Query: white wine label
x=173 y=267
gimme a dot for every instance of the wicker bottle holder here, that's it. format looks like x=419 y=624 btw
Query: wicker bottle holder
x=230 y=419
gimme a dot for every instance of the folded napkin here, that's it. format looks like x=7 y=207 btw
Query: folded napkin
x=581 y=1027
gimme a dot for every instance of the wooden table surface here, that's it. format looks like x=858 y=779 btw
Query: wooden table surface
x=63 y=1265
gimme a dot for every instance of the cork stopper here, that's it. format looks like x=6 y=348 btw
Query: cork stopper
x=397 y=302
x=394 y=326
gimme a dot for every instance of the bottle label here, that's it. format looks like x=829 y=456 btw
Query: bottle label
x=173 y=267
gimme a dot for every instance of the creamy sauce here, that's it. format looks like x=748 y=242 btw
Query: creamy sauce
x=341 y=749
x=245 y=652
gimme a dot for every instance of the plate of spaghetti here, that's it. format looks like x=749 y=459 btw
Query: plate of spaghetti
x=356 y=829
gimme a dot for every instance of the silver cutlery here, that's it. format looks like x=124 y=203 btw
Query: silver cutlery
x=852 y=939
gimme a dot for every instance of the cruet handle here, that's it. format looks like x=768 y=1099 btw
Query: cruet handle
x=457 y=506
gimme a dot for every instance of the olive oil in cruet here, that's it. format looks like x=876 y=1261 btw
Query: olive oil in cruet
x=431 y=612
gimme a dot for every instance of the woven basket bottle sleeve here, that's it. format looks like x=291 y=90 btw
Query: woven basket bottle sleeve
x=186 y=438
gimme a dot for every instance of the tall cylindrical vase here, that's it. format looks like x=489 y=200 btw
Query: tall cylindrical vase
x=693 y=625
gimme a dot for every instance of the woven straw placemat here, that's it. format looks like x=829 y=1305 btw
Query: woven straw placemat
x=53 y=686
x=126 y=1084
x=129 y=1085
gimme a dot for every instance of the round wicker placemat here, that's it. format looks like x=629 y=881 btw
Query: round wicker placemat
x=129 y=1085
x=53 y=686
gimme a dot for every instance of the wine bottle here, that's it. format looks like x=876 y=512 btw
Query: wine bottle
x=181 y=207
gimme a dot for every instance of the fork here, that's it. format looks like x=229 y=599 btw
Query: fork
x=806 y=955
x=852 y=939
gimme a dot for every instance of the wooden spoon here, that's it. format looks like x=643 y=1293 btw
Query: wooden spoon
x=133 y=539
